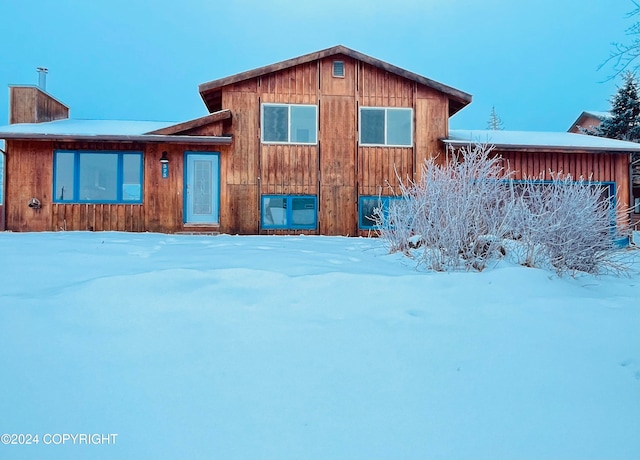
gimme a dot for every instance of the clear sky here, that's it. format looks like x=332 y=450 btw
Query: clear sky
x=535 y=61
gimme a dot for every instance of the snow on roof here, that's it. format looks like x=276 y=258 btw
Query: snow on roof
x=533 y=139
x=72 y=127
x=598 y=115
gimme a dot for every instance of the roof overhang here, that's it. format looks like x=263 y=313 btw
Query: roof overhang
x=542 y=148
x=215 y=117
x=457 y=99
x=538 y=142
x=146 y=138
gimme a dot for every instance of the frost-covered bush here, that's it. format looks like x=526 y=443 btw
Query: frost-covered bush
x=464 y=212
x=569 y=224
x=458 y=212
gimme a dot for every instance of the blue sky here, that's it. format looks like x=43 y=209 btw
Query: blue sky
x=535 y=61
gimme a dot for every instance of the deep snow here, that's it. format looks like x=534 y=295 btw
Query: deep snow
x=251 y=347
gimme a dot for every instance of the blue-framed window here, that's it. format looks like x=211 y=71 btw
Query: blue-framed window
x=388 y=126
x=289 y=124
x=289 y=211
x=84 y=176
x=368 y=207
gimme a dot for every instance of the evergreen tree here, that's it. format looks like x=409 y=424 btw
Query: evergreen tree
x=495 y=123
x=624 y=122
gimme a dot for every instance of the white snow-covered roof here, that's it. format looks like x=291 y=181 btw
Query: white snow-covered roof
x=71 y=127
x=538 y=140
x=597 y=114
x=102 y=130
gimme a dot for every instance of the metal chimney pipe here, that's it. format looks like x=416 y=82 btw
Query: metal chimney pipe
x=42 y=77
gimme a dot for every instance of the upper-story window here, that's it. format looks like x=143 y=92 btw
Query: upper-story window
x=289 y=124
x=386 y=126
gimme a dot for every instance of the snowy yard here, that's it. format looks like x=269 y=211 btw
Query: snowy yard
x=258 y=347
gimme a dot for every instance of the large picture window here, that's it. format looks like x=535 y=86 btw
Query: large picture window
x=289 y=124
x=386 y=126
x=97 y=177
x=289 y=211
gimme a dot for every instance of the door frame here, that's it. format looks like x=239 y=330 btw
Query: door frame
x=216 y=187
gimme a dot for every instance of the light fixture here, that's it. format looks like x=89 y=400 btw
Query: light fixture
x=164 y=158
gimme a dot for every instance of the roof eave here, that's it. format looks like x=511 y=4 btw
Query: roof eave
x=148 y=138
x=462 y=98
x=544 y=148
x=215 y=117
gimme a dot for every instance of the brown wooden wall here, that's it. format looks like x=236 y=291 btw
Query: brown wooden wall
x=336 y=170
x=29 y=104
x=29 y=174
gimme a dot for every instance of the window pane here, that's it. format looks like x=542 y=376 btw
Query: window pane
x=202 y=187
x=98 y=177
x=64 y=176
x=372 y=126
x=303 y=124
x=303 y=211
x=367 y=209
x=398 y=127
x=132 y=177
x=274 y=211
x=275 y=119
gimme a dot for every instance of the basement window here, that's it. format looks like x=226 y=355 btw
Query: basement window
x=97 y=177
x=289 y=123
x=371 y=206
x=386 y=126
x=289 y=212
x=338 y=69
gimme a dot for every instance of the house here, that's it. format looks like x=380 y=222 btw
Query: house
x=306 y=145
x=588 y=120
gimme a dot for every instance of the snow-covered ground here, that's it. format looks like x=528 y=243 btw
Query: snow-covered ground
x=262 y=347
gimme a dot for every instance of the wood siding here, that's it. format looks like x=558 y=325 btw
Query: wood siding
x=336 y=170
x=29 y=166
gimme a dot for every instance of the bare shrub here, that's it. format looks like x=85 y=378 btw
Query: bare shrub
x=458 y=212
x=465 y=212
x=569 y=224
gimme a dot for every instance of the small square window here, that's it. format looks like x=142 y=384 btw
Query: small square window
x=338 y=69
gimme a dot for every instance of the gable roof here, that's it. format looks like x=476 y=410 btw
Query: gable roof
x=457 y=99
x=70 y=129
x=539 y=141
x=585 y=116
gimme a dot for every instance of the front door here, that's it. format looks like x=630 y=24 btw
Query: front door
x=202 y=186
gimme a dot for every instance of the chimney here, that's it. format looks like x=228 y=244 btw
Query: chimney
x=42 y=77
x=32 y=104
